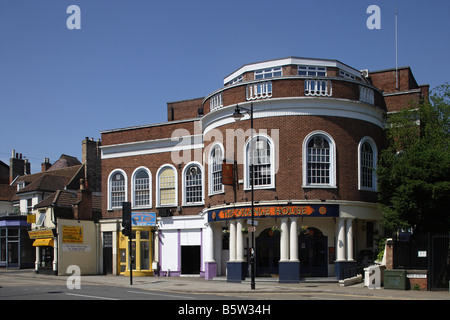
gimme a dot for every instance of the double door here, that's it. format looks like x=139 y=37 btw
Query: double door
x=313 y=256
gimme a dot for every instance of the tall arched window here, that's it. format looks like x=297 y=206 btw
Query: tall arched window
x=141 y=188
x=167 y=186
x=260 y=153
x=215 y=170
x=367 y=159
x=117 y=189
x=192 y=184
x=319 y=160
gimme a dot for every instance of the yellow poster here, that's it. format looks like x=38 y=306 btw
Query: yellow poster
x=71 y=234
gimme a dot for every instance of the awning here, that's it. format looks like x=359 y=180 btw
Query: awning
x=43 y=242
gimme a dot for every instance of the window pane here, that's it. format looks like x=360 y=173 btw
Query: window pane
x=193 y=180
x=367 y=165
x=167 y=187
x=216 y=169
x=318 y=168
x=141 y=189
x=259 y=155
x=117 y=190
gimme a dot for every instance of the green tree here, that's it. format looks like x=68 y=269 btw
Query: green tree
x=414 y=171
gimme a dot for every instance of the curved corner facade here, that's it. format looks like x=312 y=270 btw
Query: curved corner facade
x=305 y=151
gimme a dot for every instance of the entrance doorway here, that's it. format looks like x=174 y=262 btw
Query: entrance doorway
x=267 y=252
x=107 y=253
x=312 y=253
x=190 y=259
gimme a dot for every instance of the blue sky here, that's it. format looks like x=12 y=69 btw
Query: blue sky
x=131 y=57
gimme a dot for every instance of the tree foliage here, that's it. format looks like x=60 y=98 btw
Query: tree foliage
x=414 y=171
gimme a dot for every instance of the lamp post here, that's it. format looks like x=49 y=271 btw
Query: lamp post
x=238 y=115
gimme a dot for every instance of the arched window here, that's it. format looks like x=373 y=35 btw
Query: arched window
x=117 y=189
x=367 y=159
x=319 y=160
x=167 y=186
x=260 y=152
x=141 y=188
x=215 y=170
x=192 y=184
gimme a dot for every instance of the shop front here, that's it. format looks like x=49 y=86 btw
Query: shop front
x=142 y=246
x=43 y=241
x=16 y=251
x=291 y=241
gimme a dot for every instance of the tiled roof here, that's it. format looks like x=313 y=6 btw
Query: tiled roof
x=7 y=192
x=48 y=180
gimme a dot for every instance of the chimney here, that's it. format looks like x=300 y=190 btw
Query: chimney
x=45 y=165
x=91 y=159
x=17 y=166
x=27 y=167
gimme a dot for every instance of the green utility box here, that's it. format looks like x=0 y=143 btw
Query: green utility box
x=395 y=279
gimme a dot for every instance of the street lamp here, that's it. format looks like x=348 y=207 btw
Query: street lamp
x=238 y=115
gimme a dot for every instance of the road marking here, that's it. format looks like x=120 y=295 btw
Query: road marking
x=92 y=297
x=164 y=295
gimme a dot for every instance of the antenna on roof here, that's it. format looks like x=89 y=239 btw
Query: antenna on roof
x=396 y=50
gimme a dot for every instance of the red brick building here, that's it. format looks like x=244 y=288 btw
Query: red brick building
x=317 y=133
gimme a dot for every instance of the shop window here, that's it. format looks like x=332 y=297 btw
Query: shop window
x=141 y=250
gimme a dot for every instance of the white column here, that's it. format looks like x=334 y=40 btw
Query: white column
x=284 y=241
x=340 y=250
x=209 y=243
x=232 y=241
x=55 y=256
x=349 y=233
x=293 y=244
x=239 y=241
x=37 y=263
x=218 y=247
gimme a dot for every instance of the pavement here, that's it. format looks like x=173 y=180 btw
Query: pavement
x=263 y=286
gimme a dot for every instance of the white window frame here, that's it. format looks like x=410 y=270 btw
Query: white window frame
x=346 y=75
x=318 y=88
x=133 y=188
x=211 y=162
x=216 y=102
x=373 y=145
x=366 y=95
x=247 y=185
x=186 y=169
x=312 y=71
x=332 y=167
x=260 y=90
x=268 y=73
x=158 y=189
x=110 y=206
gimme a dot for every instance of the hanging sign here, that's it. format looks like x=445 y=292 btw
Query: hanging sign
x=227 y=173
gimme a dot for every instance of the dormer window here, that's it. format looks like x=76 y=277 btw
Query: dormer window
x=268 y=73
x=20 y=185
x=312 y=71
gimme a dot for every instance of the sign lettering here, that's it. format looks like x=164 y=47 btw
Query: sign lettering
x=275 y=211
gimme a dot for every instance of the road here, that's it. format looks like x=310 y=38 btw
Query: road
x=22 y=288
